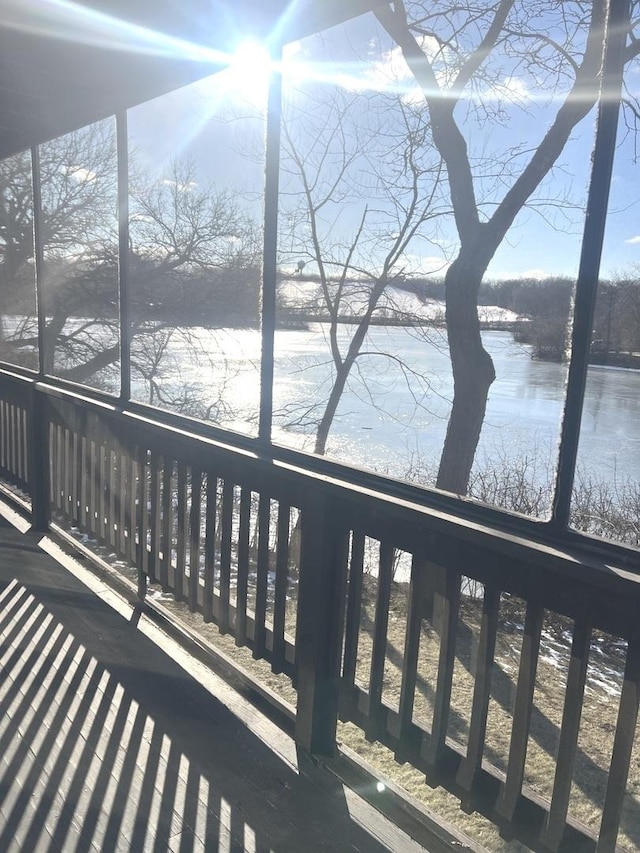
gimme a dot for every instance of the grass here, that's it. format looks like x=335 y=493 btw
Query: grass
x=598 y=719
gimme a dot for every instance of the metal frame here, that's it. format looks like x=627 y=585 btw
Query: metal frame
x=270 y=253
x=124 y=296
x=591 y=253
x=556 y=530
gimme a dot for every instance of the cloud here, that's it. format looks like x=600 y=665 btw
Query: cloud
x=180 y=187
x=82 y=176
x=535 y=273
x=633 y=241
x=514 y=89
x=388 y=73
x=416 y=264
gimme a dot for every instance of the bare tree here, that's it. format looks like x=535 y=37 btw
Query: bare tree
x=193 y=253
x=455 y=51
x=352 y=208
x=77 y=179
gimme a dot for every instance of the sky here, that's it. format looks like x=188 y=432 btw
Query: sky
x=219 y=123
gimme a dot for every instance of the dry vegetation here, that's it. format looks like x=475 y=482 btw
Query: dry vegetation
x=598 y=719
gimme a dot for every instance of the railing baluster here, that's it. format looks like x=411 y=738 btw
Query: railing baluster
x=91 y=485
x=445 y=592
x=415 y=613
x=262 y=575
x=58 y=462
x=16 y=427
x=29 y=473
x=565 y=759
x=83 y=476
x=354 y=607
x=167 y=521
x=103 y=483
x=210 y=546
x=155 y=512
x=226 y=525
x=181 y=539
x=51 y=461
x=87 y=483
x=6 y=429
x=133 y=491
x=522 y=709
x=24 y=446
x=6 y=438
x=194 y=538
x=114 y=490
x=124 y=489
x=377 y=716
x=13 y=439
x=77 y=471
x=481 y=688
x=20 y=468
x=280 y=591
x=622 y=750
x=73 y=476
x=3 y=435
x=243 y=566
x=68 y=475
x=141 y=528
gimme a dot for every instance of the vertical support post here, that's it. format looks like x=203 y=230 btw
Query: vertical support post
x=124 y=296
x=320 y=623
x=589 y=269
x=270 y=252
x=45 y=358
x=38 y=454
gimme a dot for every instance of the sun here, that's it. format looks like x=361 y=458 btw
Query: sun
x=247 y=75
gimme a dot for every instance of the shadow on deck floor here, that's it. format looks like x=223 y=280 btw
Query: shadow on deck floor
x=107 y=743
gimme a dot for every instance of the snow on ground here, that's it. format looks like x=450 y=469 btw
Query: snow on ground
x=306 y=295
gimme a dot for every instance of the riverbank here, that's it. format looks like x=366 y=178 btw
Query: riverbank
x=629 y=361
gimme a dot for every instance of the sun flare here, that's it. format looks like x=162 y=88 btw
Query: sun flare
x=248 y=73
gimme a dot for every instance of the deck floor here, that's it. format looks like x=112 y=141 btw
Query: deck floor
x=110 y=741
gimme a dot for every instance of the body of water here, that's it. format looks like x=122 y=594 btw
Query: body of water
x=393 y=415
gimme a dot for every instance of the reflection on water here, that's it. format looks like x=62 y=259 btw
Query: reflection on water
x=383 y=424
x=393 y=415
x=610 y=435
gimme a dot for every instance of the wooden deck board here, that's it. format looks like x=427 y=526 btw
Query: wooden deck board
x=107 y=743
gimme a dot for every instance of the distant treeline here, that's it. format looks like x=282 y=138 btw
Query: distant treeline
x=226 y=296
x=547 y=304
x=230 y=296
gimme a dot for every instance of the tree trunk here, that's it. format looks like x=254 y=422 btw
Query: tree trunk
x=473 y=373
x=335 y=395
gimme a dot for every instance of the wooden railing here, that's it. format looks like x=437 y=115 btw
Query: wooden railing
x=15 y=426
x=303 y=569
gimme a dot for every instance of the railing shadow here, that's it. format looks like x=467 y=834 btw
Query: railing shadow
x=107 y=743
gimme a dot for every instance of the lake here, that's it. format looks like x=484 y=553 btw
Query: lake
x=393 y=415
